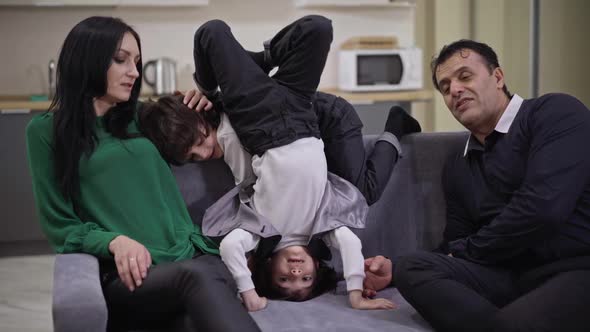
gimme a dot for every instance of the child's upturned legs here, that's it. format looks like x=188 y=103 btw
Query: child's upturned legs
x=381 y=161
x=400 y=123
x=221 y=61
x=265 y=112
x=373 y=170
x=300 y=51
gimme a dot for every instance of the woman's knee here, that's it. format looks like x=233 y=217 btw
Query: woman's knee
x=189 y=274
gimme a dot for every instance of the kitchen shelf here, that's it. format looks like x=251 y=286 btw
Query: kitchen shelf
x=379 y=96
x=19 y=104
x=160 y=3
x=354 y=3
x=104 y=3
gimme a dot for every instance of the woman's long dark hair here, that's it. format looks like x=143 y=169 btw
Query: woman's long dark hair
x=86 y=55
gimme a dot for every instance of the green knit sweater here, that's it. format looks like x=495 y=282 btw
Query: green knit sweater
x=126 y=189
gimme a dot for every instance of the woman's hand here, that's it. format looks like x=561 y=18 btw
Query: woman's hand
x=132 y=259
x=252 y=301
x=194 y=99
x=357 y=301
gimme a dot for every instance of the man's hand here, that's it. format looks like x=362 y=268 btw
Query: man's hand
x=252 y=301
x=357 y=301
x=132 y=259
x=194 y=99
x=378 y=275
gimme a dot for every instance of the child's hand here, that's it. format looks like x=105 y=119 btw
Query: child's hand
x=194 y=99
x=252 y=301
x=357 y=301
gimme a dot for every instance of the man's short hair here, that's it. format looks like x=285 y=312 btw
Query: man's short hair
x=484 y=50
x=174 y=128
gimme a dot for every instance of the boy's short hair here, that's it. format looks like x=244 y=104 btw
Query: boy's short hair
x=174 y=128
x=326 y=279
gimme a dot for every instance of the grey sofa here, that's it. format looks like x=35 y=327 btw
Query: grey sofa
x=409 y=216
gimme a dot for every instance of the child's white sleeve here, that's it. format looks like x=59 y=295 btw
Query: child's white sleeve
x=234 y=154
x=233 y=249
x=353 y=262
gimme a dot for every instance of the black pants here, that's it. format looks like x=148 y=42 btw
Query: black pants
x=453 y=294
x=265 y=112
x=201 y=288
x=345 y=150
x=340 y=129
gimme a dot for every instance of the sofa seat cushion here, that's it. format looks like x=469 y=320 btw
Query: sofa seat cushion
x=332 y=312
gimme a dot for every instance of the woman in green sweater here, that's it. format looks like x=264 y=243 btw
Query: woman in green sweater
x=102 y=189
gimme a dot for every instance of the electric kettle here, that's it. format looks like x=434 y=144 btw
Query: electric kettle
x=160 y=75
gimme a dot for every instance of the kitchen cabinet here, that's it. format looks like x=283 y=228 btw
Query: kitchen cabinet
x=16 y=2
x=160 y=3
x=90 y=3
x=58 y=3
x=104 y=3
x=355 y=3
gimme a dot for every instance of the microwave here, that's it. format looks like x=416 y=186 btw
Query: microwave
x=380 y=70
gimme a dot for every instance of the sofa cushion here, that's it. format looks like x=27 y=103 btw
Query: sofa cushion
x=331 y=312
x=410 y=215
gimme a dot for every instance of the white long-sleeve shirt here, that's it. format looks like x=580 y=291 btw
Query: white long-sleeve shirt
x=238 y=242
x=234 y=155
x=295 y=228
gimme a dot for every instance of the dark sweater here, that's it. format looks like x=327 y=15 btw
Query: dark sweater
x=536 y=207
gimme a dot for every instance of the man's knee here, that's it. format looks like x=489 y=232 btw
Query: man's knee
x=212 y=29
x=413 y=269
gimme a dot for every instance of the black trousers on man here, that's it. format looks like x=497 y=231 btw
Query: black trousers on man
x=454 y=294
x=201 y=288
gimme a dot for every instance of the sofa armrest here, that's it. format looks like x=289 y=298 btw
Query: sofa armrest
x=78 y=301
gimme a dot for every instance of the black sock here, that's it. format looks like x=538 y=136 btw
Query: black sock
x=400 y=123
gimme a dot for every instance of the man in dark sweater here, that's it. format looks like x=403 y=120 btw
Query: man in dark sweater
x=516 y=249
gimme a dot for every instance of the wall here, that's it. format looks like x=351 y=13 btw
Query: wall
x=32 y=36
x=564 y=48
x=451 y=22
x=424 y=36
x=505 y=26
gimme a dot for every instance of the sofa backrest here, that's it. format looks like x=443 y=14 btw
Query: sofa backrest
x=409 y=215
